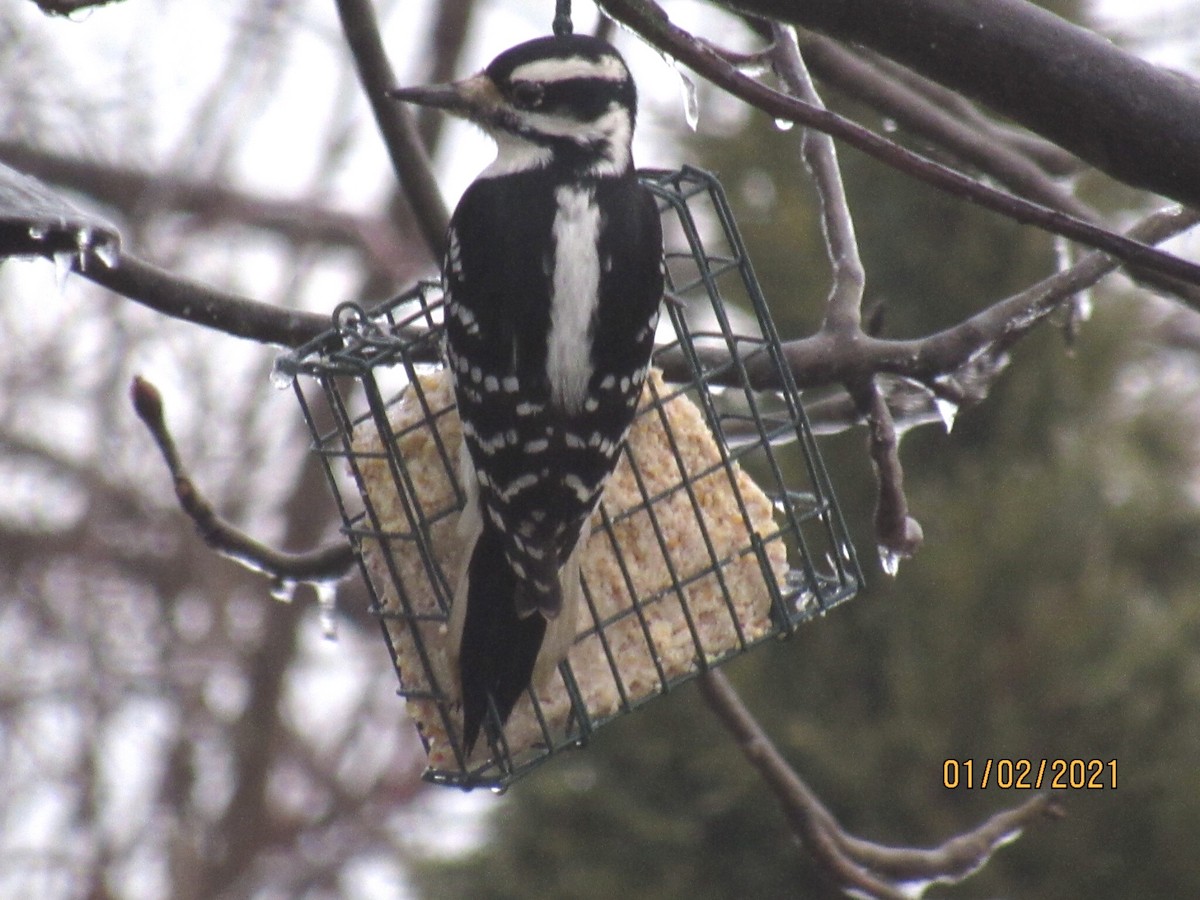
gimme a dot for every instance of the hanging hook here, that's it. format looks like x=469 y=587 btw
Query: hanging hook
x=562 y=18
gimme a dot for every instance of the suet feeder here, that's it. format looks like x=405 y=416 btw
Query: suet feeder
x=718 y=531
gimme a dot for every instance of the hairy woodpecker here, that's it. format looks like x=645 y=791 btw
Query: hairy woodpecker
x=552 y=281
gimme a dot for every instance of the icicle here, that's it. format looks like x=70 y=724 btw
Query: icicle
x=83 y=245
x=283 y=372
x=1084 y=306
x=64 y=263
x=1081 y=304
x=283 y=590
x=889 y=560
x=948 y=410
x=107 y=251
x=327 y=605
x=1062 y=253
x=691 y=98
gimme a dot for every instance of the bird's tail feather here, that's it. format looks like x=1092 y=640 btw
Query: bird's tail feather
x=495 y=649
x=498 y=649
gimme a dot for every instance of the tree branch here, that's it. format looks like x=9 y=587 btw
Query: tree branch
x=1025 y=63
x=327 y=563
x=853 y=864
x=651 y=22
x=126 y=189
x=844 y=310
x=897 y=534
x=820 y=359
x=396 y=123
x=193 y=301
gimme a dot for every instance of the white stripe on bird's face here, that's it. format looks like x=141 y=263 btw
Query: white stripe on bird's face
x=609 y=135
x=515 y=154
x=606 y=68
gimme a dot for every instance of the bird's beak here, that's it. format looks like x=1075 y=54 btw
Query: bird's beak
x=442 y=96
x=471 y=98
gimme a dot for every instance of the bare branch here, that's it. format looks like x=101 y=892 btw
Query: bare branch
x=841 y=68
x=853 y=864
x=898 y=534
x=819 y=359
x=651 y=22
x=330 y=562
x=126 y=189
x=844 y=313
x=192 y=301
x=1025 y=63
x=397 y=125
x=1014 y=159
x=69 y=7
x=1051 y=158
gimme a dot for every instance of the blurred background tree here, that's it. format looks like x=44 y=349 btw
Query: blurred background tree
x=166 y=729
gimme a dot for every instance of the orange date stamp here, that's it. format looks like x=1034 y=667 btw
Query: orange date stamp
x=1030 y=774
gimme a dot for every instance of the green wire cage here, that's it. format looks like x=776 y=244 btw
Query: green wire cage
x=718 y=531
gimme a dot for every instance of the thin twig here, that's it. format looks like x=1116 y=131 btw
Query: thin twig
x=971 y=138
x=898 y=534
x=873 y=870
x=838 y=66
x=330 y=562
x=821 y=360
x=844 y=311
x=1051 y=158
x=1136 y=121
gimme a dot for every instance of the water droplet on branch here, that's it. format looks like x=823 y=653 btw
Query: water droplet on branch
x=948 y=410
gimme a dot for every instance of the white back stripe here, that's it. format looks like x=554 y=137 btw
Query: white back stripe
x=575 y=294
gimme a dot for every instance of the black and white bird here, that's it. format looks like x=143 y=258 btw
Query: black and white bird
x=552 y=282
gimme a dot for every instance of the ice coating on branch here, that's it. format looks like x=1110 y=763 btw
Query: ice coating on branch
x=64 y=264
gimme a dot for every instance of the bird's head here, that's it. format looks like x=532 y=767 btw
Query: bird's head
x=564 y=100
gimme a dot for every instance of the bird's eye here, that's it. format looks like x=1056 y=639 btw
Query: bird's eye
x=527 y=94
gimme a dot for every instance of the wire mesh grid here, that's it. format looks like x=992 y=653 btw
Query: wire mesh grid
x=718 y=531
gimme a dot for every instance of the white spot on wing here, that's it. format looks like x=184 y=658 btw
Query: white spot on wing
x=583 y=491
x=517 y=485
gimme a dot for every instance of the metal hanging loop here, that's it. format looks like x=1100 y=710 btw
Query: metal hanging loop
x=562 y=18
